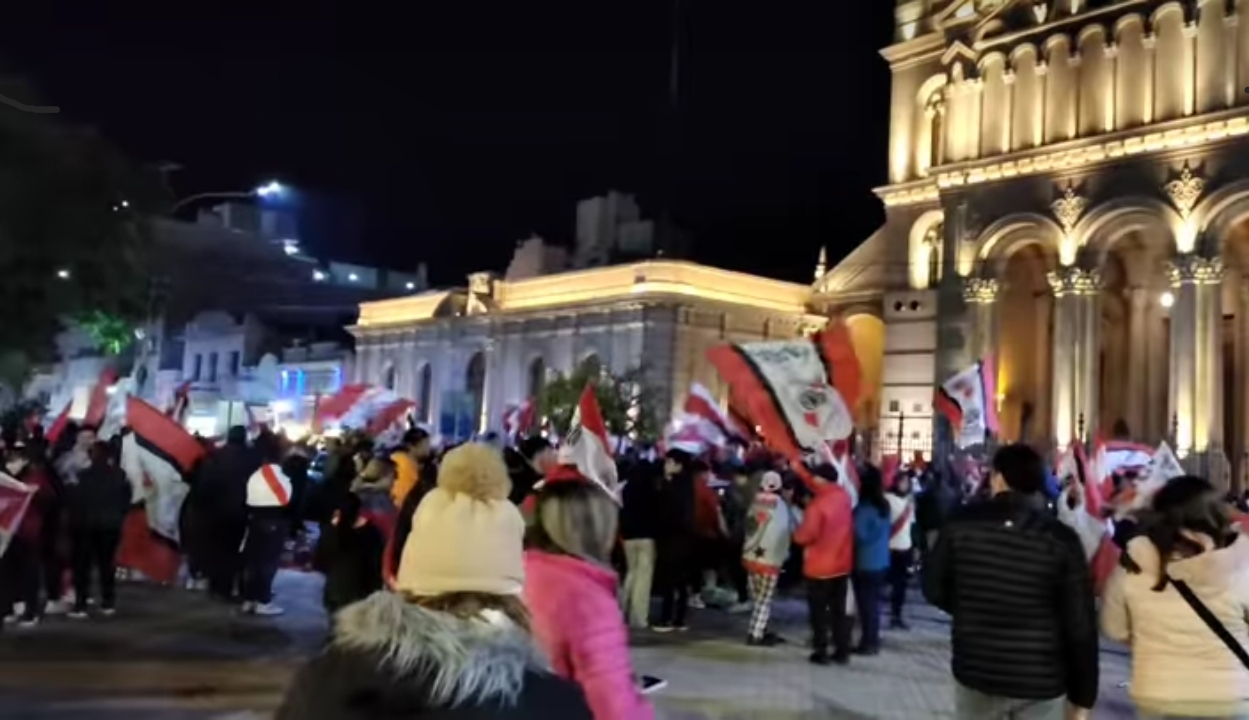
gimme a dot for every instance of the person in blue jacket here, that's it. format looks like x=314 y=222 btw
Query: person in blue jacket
x=871 y=556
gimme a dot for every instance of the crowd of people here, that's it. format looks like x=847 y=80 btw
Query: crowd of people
x=498 y=581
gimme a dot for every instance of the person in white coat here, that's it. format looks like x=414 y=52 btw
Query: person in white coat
x=1187 y=562
x=268 y=527
x=901 y=545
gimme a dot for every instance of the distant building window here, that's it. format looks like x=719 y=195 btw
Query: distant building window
x=197 y=367
x=212 y=367
x=894 y=406
x=235 y=359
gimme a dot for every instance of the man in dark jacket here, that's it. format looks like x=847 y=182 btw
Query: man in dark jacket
x=220 y=494
x=639 y=527
x=1018 y=586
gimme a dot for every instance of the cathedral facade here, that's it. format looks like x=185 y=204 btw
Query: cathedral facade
x=1068 y=191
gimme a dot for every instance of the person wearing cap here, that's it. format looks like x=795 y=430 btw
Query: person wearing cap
x=769 y=525
x=570 y=588
x=454 y=641
x=827 y=537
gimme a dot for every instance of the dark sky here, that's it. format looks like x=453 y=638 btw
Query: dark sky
x=446 y=133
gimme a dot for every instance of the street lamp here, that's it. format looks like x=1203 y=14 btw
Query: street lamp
x=271 y=189
x=62 y=274
x=1167 y=299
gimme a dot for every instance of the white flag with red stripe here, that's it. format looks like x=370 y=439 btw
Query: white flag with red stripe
x=588 y=445
x=519 y=418
x=156 y=456
x=700 y=403
x=15 y=498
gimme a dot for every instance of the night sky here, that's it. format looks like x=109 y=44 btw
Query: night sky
x=445 y=135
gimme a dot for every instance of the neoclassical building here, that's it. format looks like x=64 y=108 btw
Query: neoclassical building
x=1069 y=190
x=477 y=349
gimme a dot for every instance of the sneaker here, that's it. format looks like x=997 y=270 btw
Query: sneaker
x=248 y=607
x=28 y=622
x=697 y=603
x=651 y=684
x=739 y=608
x=662 y=628
x=78 y=613
x=267 y=610
x=681 y=628
x=108 y=611
x=10 y=619
x=56 y=607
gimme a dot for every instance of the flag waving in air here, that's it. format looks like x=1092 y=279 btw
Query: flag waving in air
x=14 y=501
x=588 y=446
x=969 y=401
x=1080 y=508
x=798 y=392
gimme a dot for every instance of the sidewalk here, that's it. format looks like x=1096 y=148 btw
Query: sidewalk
x=173 y=655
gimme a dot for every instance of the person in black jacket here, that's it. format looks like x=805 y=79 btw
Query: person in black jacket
x=96 y=507
x=349 y=554
x=639 y=527
x=1017 y=584
x=220 y=494
x=674 y=539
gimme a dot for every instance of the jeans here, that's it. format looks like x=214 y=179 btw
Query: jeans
x=223 y=554
x=899 y=578
x=19 y=578
x=675 y=566
x=266 y=537
x=867 y=589
x=974 y=705
x=826 y=601
x=635 y=593
x=95 y=549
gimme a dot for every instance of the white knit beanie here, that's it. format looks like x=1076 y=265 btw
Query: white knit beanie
x=466 y=535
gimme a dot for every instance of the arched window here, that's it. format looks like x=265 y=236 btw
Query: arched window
x=424 y=393
x=592 y=366
x=537 y=377
x=389 y=377
x=475 y=384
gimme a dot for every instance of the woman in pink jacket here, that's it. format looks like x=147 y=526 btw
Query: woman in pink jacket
x=570 y=589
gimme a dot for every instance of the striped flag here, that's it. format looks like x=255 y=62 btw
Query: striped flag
x=588 y=446
x=15 y=497
x=969 y=401
x=156 y=454
x=700 y=403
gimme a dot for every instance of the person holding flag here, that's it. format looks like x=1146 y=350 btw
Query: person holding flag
x=901 y=546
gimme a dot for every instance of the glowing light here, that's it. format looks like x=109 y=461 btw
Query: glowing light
x=1166 y=299
x=318 y=275
x=353 y=277
x=410 y=286
x=270 y=189
x=125 y=203
x=282 y=406
x=290 y=247
x=62 y=274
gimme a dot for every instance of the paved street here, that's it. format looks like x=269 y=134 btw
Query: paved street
x=172 y=654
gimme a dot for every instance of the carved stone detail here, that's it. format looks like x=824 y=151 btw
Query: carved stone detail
x=1040 y=11
x=1069 y=208
x=1191 y=269
x=935 y=235
x=1074 y=281
x=1185 y=190
x=1112 y=50
x=980 y=291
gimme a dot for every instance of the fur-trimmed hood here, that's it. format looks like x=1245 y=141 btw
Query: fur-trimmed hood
x=464 y=662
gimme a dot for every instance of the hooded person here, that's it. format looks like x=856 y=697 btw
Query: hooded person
x=454 y=642
x=769 y=525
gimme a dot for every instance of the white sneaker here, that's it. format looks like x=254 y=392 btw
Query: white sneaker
x=697 y=603
x=267 y=610
x=108 y=611
x=77 y=614
x=10 y=619
x=55 y=607
x=28 y=622
x=248 y=607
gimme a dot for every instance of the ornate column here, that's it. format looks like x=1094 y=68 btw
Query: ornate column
x=488 y=384
x=1196 y=398
x=1077 y=317
x=980 y=296
x=1136 y=401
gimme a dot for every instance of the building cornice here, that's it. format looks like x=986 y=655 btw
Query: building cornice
x=1071 y=155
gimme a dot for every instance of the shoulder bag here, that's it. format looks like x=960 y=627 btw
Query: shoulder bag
x=1211 y=621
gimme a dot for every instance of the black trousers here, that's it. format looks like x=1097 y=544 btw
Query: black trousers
x=222 y=555
x=826 y=603
x=266 y=537
x=50 y=557
x=95 y=550
x=899 y=578
x=19 y=578
x=674 y=568
x=736 y=571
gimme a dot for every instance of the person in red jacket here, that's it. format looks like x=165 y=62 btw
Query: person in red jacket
x=827 y=537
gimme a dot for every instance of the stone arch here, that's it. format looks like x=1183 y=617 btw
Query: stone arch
x=920 y=249
x=1003 y=238
x=1218 y=215
x=1098 y=231
x=535 y=378
x=929 y=129
x=425 y=392
x=867 y=334
x=1163 y=9
x=475 y=384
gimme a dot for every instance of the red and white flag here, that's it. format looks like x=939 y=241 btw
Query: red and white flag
x=388 y=421
x=53 y=432
x=1080 y=478
x=700 y=403
x=519 y=418
x=969 y=401
x=156 y=455
x=588 y=445
x=181 y=402
x=15 y=497
x=97 y=405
